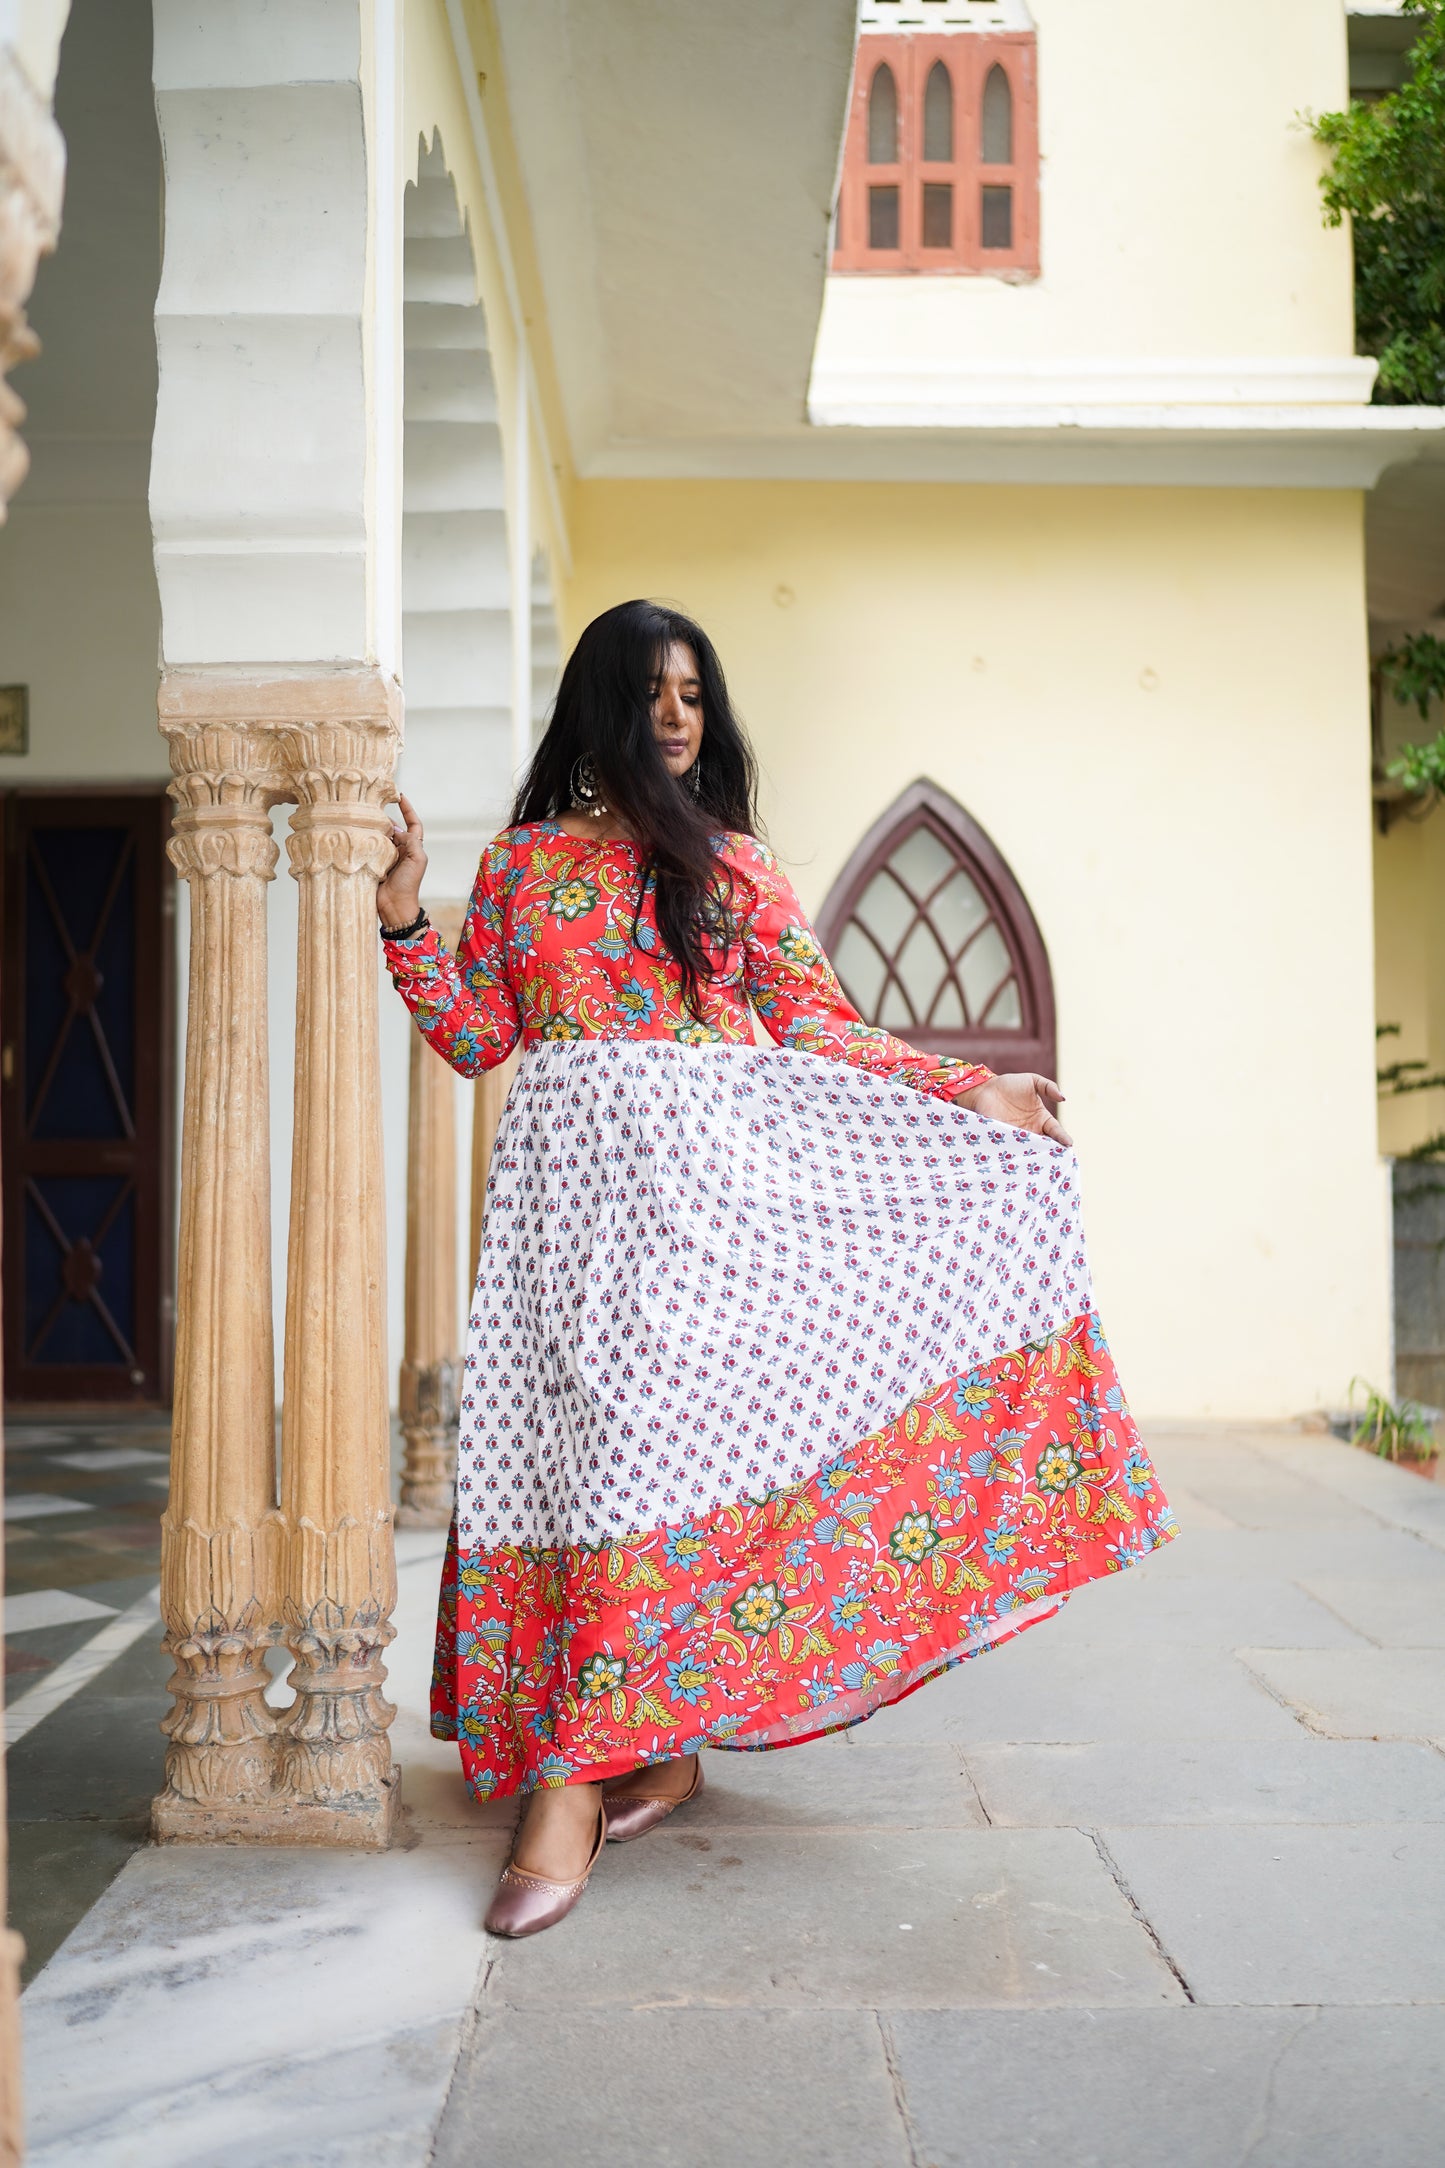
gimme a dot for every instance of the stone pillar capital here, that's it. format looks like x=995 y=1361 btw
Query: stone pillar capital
x=342 y=761
x=237 y=840
x=349 y=838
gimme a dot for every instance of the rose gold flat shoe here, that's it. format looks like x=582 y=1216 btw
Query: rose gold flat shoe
x=632 y=1814
x=523 y=1904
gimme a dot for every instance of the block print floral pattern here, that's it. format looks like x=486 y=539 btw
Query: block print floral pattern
x=560 y=942
x=784 y=1390
x=778 y=1618
x=706 y=1268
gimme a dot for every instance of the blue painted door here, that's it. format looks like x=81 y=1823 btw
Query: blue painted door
x=86 y=1084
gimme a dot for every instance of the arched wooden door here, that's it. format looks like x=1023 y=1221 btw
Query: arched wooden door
x=933 y=938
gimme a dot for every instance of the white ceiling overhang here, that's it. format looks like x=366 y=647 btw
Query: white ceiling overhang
x=1168 y=447
x=679 y=158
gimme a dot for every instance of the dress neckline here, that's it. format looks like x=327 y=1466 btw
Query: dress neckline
x=557 y=833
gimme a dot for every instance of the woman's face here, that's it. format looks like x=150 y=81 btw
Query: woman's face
x=677 y=709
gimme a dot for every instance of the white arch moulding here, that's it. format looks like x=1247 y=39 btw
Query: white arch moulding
x=479 y=655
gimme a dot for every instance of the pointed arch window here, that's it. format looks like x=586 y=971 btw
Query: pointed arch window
x=997 y=144
x=938 y=116
x=884 y=207
x=933 y=938
x=996 y=157
x=883 y=117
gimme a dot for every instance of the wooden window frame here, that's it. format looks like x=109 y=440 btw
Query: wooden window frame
x=1032 y=1043
x=968 y=56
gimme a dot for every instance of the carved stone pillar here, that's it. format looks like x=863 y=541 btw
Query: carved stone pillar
x=32 y=178
x=32 y=175
x=431 y=1368
x=336 y=1775
x=221 y=1537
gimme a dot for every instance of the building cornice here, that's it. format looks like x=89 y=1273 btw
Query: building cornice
x=949 y=396
x=1321 y=447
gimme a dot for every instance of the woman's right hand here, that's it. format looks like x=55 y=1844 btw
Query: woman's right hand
x=1022 y=1100
x=398 y=895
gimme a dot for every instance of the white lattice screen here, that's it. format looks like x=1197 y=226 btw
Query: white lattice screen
x=938 y=15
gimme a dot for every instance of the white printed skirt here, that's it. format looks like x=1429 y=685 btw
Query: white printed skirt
x=784 y=1392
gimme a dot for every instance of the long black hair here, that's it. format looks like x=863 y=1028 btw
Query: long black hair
x=603 y=714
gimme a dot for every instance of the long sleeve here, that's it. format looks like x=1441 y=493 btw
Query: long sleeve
x=794 y=989
x=464 y=1005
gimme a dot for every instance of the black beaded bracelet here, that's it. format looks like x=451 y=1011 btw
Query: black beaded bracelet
x=406 y=933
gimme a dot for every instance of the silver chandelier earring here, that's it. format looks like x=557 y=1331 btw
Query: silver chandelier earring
x=586 y=792
x=694 y=777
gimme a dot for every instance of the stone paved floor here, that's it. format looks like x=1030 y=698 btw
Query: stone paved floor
x=83 y=1503
x=1161 y=1882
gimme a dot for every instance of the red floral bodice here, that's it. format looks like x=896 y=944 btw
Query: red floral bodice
x=548 y=951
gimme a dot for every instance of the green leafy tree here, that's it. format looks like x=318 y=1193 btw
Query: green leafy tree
x=1387 y=175
x=1414 y=671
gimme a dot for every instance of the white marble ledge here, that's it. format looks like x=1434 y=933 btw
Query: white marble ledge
x=227 y=2004
x=205 y=1976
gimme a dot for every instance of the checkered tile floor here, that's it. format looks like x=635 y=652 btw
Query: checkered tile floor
x=83 y=1501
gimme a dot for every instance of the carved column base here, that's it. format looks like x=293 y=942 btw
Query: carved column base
x=430 y=1409
x=320 y=1774
x=222 y=1753
x=335 y=1773
x=365 y=1825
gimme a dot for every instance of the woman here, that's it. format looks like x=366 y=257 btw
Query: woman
x=784 y=1390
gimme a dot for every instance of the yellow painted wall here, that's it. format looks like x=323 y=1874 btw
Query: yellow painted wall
x=1155 y=702
x=1410 y=969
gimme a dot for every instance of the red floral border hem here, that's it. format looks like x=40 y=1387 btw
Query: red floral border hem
x=973 y=1515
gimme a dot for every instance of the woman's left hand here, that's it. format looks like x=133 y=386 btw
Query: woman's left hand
x=398 y=893
x=1022 y=1100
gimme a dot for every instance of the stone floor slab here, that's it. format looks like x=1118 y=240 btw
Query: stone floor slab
x=1165 y=1782
x=1047 y=1687
x=41 y=1505
x=1398 y=1614
x=1186 y=1611
x=60 y=1868
x=674 y=2089
x=1293 y=1914
x=849 y=1920
x=1382 y=1487
x=38 y=1607
x=1359 y=1693
x=802 y=1788
x=1191 y=1513
x=1314 y=1555
x=105 y=1459
x=98 y=1757
x=1257 y=1491
x=1195 y=2088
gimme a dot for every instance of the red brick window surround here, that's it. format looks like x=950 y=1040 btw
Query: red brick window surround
x=941 y=160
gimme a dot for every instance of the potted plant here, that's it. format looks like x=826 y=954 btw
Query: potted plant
x=1398 y=1430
